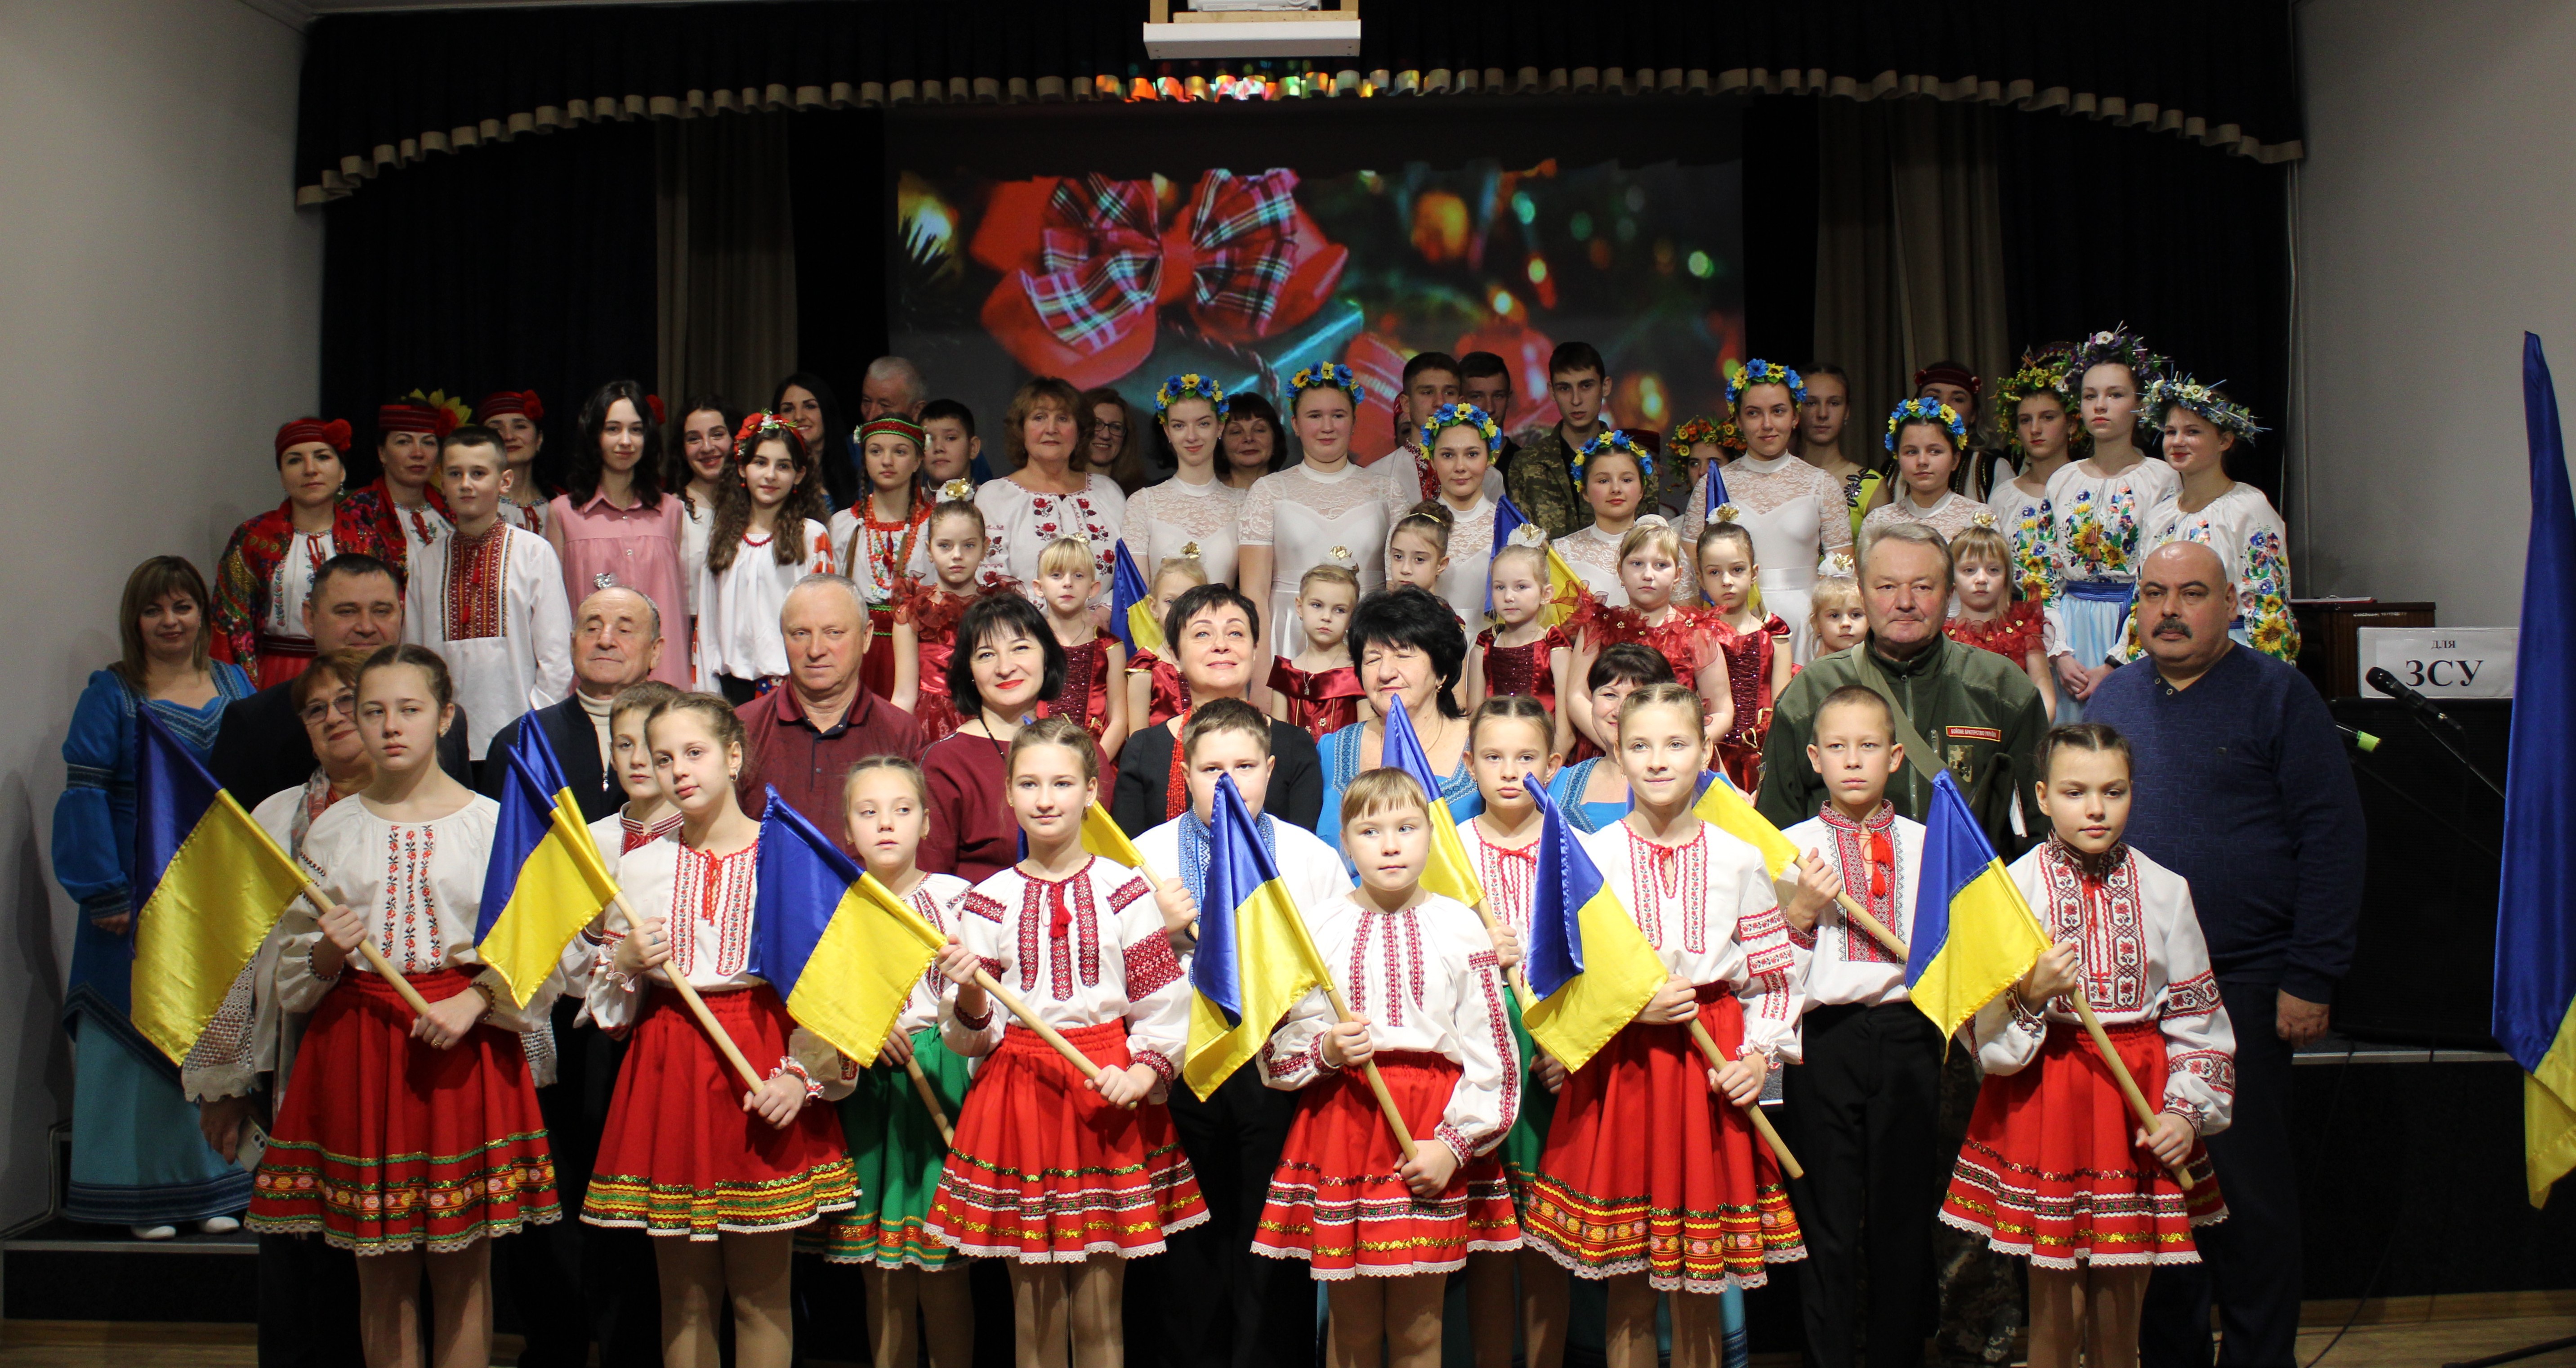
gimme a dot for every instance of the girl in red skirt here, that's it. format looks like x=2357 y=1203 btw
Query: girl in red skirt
x=724 y=1175
x=2056 y=1169
x=1095 y=663
x=1651 y=567
x=1992 y=616
x=1320 y=690
x=406 y=1138
x=1064 y=1172
x=925 y=615
x=1651 y=1177
x=1155 y=691
x=1520 y=655
x=1421 y=976
x=1754 y=644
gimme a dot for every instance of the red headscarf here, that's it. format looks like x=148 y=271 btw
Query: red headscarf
x=1946 y=375
x=521 y=402
x=411 y=417
x=334 y=434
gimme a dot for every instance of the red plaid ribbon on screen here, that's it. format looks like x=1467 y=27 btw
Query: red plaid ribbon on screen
x=1244 y=233
x=1100 y=261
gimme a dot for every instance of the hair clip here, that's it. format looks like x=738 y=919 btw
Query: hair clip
x=1985 y=518
x=957 y=491
x=1190 y=550
x=1341 y=556
x=1651 y=520
x=1530 y=535
x=1725 y=513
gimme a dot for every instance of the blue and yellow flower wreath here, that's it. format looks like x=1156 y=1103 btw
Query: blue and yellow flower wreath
x=1466 y=416
x=1615 y=440
x=1329 y=375
x=1761 y=372
x=1926 y=410
x=1191 y=385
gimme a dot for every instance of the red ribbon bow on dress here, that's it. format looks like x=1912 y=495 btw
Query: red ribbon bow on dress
x=1059 y=911
x=1882 y=864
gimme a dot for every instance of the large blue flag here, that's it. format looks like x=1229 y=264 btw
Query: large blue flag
x=1590 y=967
x=841 y=949
x=2535 y=964
x=1255 y=956
x=1973 y=935
x=544 y=879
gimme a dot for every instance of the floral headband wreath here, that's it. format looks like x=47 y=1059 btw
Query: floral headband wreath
x=2183 y=392
x=1761 y=372
x=2046 y=373
x=1615 y=441
x=1329 y=375
x=1189 y=386
x=1466 y=416
x=1934 y=411
x=2118 y=347
x=1708 y=432
x=754 y=427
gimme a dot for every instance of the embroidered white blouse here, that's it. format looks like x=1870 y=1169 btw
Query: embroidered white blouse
x=1841 y=962
x=1425 y=979
x=2246 y=532
x=2143 y=961
x=704 y=903
x=1112 y=961
x=1706 y=905
x=738 y=633
x=1019 y=523
x=2095 y=526
x=494 y=609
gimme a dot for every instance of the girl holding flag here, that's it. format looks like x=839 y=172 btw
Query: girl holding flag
x=407 y=1138
x=718 y=1173
x=2056 y=1169
x=1066 y=1175
x=1423 y=982
x=896 y=1150
x=1649 y=1180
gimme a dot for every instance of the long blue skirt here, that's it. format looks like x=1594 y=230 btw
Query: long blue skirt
x=137 y=1155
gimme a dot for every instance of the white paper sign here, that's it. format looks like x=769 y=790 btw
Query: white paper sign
x=2441 y=662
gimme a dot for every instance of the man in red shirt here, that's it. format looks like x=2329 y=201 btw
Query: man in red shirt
x=803 y=736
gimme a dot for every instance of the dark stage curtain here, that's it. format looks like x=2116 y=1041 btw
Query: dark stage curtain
x=2102 y=226
x=529 y=266
x=381 y=91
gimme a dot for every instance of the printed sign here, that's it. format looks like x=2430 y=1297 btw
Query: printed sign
x=2441 y=662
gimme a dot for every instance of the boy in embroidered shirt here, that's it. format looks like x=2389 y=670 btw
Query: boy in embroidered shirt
x=489 y=597
x=1865 y=1103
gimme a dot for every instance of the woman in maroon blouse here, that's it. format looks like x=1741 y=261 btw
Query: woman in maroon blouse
x=1006 y=667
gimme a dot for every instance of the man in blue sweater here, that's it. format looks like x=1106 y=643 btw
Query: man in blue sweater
x=2242 y=788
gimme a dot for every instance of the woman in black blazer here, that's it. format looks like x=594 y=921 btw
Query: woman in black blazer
x=1213 y=632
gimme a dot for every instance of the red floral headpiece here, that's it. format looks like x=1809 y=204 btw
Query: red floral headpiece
x=521 y=402
x=334 y=434
x=754 y=427
x=433 y=413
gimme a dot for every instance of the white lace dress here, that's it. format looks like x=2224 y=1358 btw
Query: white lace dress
x=1471 y=556
x=1593 y=555
x=1300 y=514
x=1168 y=519
x=1950 y=515
x=1796 y=516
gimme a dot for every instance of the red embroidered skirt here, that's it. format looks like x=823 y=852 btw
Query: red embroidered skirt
x=2049 y=1172
x=680 y=1156
x=1647 y=1171
x=384 y=1144
x=1044 y=1171
x=1336 y=1202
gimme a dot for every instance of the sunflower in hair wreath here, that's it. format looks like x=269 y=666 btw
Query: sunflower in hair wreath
x=1329 y=375
x=1466 y=416
x=1725 y=436
x=458 y=412
x=1189 y=385
x=1618 y=441
x=1926 y=410
x=1760 y=372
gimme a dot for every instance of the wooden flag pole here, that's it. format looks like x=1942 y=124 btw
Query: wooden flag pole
x=1761 y=1124
x=1096 y=1072
x=698 y=1007
x=1518 y=979
x=1376 y=1080
x=1877 y=929
x=375 y=958
x=2120 y=1074
x=929 y=1099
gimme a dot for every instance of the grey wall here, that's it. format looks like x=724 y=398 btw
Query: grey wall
x=2437 y=222
x=159 y=303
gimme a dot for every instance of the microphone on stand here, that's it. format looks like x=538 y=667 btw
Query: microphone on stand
x=2416 y=703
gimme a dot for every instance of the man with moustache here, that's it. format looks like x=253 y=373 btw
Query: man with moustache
x=1969 y=711
x=2241 y=786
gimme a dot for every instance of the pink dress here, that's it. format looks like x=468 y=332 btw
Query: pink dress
x=635 y=548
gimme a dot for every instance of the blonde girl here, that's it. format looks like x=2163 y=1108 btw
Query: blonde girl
x=1520 y=655
x=1651 y=1178
x=1155 y=690
x=896 y=1153
x=1755 y=646
x=1095 y=662
x=1320 y=689
x=1068 y=1175
x=1651 y=566
x=925 y=618
x=1989 y=615
x=1511 y=744
x=721 y=1176
x=1835 y=615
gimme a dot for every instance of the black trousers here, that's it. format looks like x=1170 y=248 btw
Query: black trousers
x=308 y=1304
x=1867 y=1111
x=1230 y=1307
x=2250 y=1262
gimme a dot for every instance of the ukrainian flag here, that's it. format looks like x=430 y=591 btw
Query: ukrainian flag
x=545 y=881
x=1102 y=836
x=841 y=949
x=1451 y=873
x=1564 y=587
x=208 y=884
x=2535 y=954
x=1721 y=806
x=1587 y=962
x=1255 y=957
x=1973 y=934
x=1131 y=605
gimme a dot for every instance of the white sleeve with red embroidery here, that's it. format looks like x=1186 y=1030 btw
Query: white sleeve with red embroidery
x=549 y=619
x=1770 y=984
x=978 y=926
x=1486 y=1097
x=2200 y=1042
x=1291 y=1057
x=1158 y=996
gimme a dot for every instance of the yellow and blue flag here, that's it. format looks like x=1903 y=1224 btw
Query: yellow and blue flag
x=545 y=880
x=2535 y=953
x=1450 y=873
x=1973 y=934
x=841 y=949
x=1586 y=961
x=1564 y=587
x=1102 y=836
x=1255 y=956
x=208 y=884
x=1722 y=806
x=1131 y=605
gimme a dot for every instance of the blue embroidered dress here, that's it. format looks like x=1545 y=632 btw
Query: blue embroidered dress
x=138 y=1158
